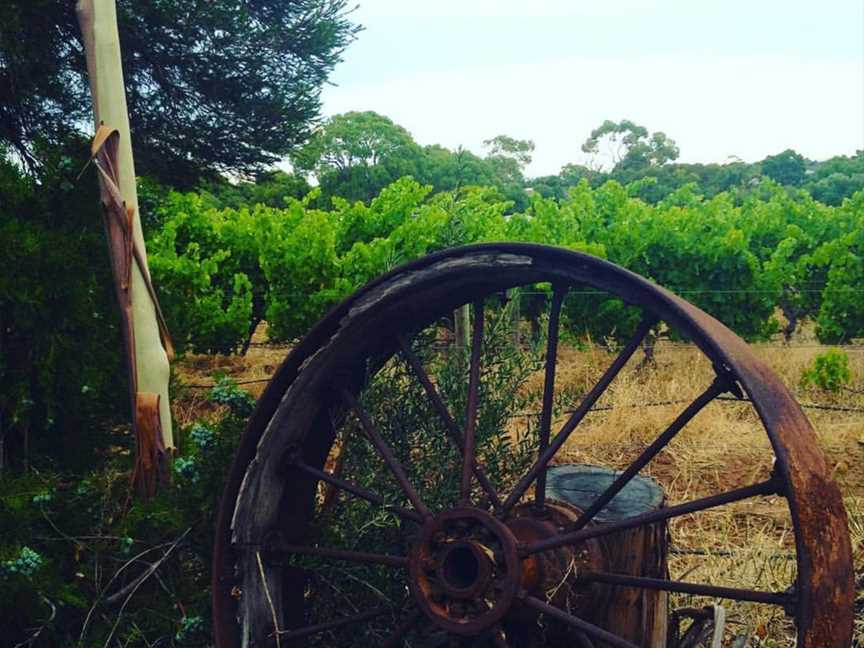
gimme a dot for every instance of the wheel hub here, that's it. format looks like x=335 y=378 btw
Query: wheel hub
x=465 y=572
x=465 y=569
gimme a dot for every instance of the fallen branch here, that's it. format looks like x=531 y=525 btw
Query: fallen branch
x=123 y=567
x=138 y=582
x=38 y=631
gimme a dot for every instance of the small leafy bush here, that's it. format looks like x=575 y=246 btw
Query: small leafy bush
x=238 y=401
x=60 y=363
x=829 y=371
x=25 y=565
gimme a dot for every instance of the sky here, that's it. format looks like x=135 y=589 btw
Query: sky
x=745 y=78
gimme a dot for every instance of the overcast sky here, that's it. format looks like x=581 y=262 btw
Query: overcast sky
x=721 y=77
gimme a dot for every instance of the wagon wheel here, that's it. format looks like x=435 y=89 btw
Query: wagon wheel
x=465 y=572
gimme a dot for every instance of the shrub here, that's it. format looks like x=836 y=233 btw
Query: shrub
x=69 y=545
x=829 y=371
x=61 y=369
x=418 y=439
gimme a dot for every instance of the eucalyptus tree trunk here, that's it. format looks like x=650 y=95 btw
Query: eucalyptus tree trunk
x=147 y=343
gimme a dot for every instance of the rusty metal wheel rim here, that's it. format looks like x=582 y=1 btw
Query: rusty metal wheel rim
x=413 y=295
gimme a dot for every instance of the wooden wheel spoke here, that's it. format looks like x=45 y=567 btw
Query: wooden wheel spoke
x=548 y=389
x=720 y=385
x=344 y=554
x=468 y=453
x=588 y=628
x=698 y=589
x=386 y=453
x=580 y=412
x=358 y=491
x=395 y=639
x=769 y=487
x=450 y=425
x=310 y=630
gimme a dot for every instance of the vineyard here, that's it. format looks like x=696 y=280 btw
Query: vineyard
x=765 y=265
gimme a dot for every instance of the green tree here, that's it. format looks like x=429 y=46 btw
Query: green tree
x=571 y=175
x=60 y=364
x=837 y=178
x=356 y=154
x=833 y=189
x=224 y=85
x=447 y=170
x=353 y=139
x=507 y=158
x=270 y=188
x=787 y=168
x=631 y=146
x=520 y=151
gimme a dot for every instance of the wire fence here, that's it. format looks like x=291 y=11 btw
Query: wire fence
x=712 y=291
x=602 y=408
x=254 y=381
x=682 y=401
x=666 y=347
x=722 y=553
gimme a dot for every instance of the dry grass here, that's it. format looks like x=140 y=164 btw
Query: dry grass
x=747 y=544
x=195 y=373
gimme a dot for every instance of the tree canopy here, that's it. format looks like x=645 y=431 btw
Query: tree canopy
x=786 y=168
x=225 y=85
x=631 y=146
x=505 y=146
x=355 y=154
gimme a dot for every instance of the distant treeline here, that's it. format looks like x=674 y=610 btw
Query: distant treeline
x=356 y=154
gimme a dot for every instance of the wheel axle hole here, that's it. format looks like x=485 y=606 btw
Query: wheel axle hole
x=461 y=567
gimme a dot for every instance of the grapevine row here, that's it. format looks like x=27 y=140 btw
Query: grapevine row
x=763 y=267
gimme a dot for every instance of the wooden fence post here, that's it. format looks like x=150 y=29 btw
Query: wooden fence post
x=462 y=327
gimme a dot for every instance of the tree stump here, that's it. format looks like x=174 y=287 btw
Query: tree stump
x=635 y=614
